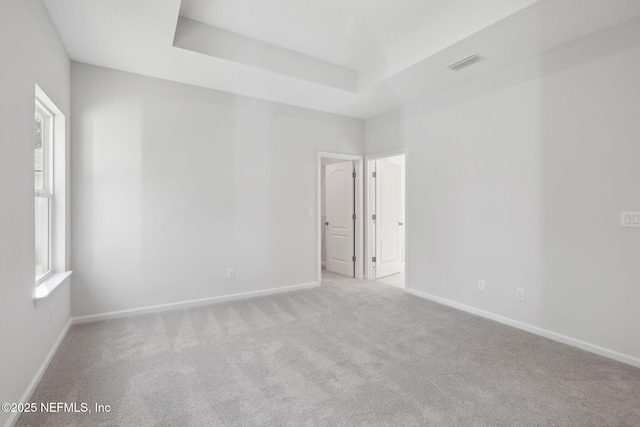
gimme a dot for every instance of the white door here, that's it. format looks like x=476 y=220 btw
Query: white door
x=339 y=182
x=388 y=184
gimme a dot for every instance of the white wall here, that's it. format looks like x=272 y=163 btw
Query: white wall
x=31 y=52
x=173 y=184
x=523 y=187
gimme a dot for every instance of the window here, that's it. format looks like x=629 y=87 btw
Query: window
x=50 y=189
x=43 y=171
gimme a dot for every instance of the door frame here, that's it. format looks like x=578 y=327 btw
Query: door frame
x=370 y=228
x=358 y=162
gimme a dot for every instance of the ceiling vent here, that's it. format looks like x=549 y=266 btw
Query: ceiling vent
x=463 y=63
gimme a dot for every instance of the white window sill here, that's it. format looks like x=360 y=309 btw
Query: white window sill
x=46 y=288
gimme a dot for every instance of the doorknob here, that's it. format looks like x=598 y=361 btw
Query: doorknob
x=326 y=223
x=400 y=223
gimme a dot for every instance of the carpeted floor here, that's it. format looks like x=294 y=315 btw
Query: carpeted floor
x=349 y=353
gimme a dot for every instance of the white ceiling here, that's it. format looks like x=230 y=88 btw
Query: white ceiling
x=351 y=33
x=353 y=57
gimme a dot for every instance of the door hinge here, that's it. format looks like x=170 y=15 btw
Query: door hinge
x=373 y=217
x=373 y=259
x=354 y=217
x=354 y=173
x=373 y=174
x=353 y=258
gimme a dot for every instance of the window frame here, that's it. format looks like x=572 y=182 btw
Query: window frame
x=57 y=186
x=47 y=190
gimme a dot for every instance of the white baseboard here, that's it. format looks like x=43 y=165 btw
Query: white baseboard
x=13 y=418
x=602 y=351
x=190 y=303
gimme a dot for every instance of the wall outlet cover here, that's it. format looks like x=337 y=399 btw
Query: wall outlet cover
x=630 y=219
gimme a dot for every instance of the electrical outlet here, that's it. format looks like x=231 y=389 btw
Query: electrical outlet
x=630 y=219
x=481 y=285
x=520 y=294
x=231 y=273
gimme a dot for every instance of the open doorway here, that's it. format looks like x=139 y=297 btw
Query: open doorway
x=386 y=219
x=340 y=207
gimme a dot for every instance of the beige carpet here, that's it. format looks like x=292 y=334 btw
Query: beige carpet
x=349 y=353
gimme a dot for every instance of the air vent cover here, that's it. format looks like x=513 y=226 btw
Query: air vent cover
x=469 y=60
